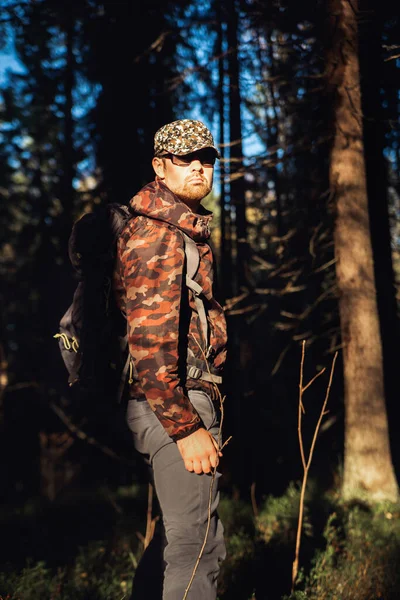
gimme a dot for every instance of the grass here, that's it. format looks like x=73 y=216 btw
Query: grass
x=87 y=547
x=361 y=557
x=83 y=546
x=96 y=575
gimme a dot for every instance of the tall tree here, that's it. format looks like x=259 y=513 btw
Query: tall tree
x=368 y=468
x=237 y=182
x=225 y=249
x=136 y=75
x=374 y=79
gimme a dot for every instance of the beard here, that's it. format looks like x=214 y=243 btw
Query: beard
x=194 y=191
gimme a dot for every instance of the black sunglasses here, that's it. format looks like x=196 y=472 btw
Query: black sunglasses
x=206 y=158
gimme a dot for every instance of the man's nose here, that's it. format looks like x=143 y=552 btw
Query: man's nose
x=197 y=165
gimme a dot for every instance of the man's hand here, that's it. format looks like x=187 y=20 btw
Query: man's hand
x=199 y=451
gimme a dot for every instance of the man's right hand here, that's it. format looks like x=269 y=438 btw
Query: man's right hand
x=199 y=451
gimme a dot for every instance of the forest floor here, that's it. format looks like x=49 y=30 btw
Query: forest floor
x=87 y=543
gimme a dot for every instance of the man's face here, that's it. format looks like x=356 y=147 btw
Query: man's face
x=189 y=177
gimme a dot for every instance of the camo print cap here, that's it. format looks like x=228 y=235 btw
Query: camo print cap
x=182 y=137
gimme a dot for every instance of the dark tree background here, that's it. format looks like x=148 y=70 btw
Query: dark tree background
x=76 y=131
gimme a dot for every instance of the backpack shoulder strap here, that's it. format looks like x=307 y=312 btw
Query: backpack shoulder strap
x=192 y=264
x=192 y=258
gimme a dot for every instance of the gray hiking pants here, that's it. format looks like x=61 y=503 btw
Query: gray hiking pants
x=167 y=565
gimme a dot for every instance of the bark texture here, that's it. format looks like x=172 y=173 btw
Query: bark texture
x=368 y=468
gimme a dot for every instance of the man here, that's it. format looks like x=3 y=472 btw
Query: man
x=177 y=340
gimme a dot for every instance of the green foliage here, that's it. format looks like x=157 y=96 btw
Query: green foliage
x=278 y=517
x=104 y=571
x=361 y=559
x=236 y=515
x=354 y=556
x=35 y=580
x=239 y=530
x=99 y=573
x=296 y=596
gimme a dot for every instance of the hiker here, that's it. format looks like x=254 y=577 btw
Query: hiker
x=177 y=340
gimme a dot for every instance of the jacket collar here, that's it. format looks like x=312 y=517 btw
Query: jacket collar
x=155 y=200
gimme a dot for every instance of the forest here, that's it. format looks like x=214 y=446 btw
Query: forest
x=303 y=100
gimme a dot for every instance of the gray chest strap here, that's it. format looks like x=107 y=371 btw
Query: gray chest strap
x=192 y=264
x=197 y=369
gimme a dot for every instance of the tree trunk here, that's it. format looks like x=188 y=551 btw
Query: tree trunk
x=237 y=187
x=368 y=468
x=372 y=71
x=67 y=151
x=225 y=250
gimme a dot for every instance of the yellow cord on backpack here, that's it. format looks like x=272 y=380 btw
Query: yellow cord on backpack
x=67 y=341
x=130 y=380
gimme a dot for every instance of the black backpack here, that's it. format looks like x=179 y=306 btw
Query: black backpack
x=93 y=331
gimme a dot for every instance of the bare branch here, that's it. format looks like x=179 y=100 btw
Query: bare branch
x=395 y=57
x=85 y=437
x=220 y=446
x=307 y=463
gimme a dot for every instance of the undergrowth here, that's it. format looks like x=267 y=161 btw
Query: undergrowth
x=361 y=557
x=348 y=552
x=96 y=575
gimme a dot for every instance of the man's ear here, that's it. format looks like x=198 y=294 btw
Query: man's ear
x=158 y=166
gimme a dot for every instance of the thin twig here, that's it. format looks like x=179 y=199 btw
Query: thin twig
x=314 y=378
x=150 y=522
x=307 y=464
x=253 y=498
x=85 y=437
x=280 y=359
x=213 y=474
x=206 y=534
x=392 y=58
x=301 y=407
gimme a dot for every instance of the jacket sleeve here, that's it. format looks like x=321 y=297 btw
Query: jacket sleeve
x=151 y=266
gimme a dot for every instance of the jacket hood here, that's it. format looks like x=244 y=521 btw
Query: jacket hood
x=155 y=200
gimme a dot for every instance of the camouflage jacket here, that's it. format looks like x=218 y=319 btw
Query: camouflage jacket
x=160 y=311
